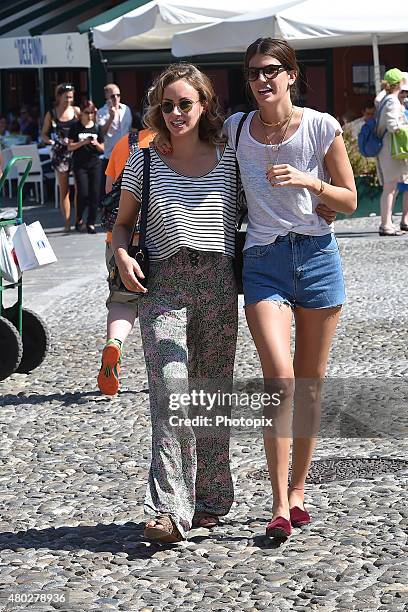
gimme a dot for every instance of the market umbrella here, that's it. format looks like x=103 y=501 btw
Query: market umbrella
x=153 y=25
x=306 y=24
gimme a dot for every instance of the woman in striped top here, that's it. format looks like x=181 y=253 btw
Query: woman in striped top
x=190 y=307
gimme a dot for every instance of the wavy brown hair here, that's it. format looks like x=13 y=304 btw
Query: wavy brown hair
x=211 y=121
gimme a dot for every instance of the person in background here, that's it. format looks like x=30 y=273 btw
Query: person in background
x=403 y=98
x=15 y=129
x=3 y=127
x=28 y=125
x=122 y=308
x=390 y=171
x=121 y=151
x=355 y=126
x=55 y=132
x=86 y=143
x=4 y=132
x=115 y=119
x=15 y=137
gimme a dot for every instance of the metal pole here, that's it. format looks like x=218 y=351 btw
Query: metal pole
x=41 y=90
x=90 y=82
x=376 y=58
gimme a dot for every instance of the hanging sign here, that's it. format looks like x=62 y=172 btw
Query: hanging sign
x=51 y=51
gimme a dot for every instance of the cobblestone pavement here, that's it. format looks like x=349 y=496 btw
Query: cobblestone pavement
x=73 y=466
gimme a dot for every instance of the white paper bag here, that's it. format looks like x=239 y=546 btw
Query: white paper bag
x=8 y=268
x=32 y=246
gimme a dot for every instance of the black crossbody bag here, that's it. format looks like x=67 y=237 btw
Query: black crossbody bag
x=109 y=202
x=139 y=252
x=240 y=235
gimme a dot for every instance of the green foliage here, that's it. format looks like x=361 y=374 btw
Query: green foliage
x=362 y=166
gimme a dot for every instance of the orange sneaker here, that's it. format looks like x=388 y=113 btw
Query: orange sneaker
x=108 y=377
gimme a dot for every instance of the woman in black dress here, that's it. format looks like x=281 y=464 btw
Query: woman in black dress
x=56 y=128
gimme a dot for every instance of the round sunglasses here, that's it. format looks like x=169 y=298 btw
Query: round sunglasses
x=269 y=72
x=184 y=106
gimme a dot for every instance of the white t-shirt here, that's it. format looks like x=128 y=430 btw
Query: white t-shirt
x=119 y=127
x=273 y=211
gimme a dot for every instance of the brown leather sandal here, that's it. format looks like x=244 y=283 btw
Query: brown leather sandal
x=212 y=520
x=168 y=532
x=389 y=232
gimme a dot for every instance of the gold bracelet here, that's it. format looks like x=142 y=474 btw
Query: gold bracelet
x=322 y=186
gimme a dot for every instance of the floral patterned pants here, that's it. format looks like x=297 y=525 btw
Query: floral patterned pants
x=188 y=321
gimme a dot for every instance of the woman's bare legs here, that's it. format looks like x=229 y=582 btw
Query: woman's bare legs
x=121 y=319
x=270 y=323
x=270 y=326
x=65 y=205
x=404 y=218
x=387 y=204
x=314 y=334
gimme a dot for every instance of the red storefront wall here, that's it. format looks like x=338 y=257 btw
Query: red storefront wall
x=344 y=58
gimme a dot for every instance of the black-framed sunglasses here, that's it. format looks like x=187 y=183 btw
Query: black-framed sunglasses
x=269 y=72
x=184 y=106
x=117 y=95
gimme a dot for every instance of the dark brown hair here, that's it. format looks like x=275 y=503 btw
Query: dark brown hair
x=211 y=121
x=274 y=47
x=88 y=105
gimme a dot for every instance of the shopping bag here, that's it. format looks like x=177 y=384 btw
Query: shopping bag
x=399 y=144
x=8 y=266
x=32 y=247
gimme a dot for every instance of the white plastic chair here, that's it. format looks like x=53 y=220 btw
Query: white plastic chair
x=35 y=175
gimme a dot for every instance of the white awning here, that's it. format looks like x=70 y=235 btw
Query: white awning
x=153 y=25
x=305 y=24
x=50 y=51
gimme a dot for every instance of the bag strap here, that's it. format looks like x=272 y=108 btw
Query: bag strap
x=145 y=199
x=383 y=103
x=237 y=136
x=239 y=129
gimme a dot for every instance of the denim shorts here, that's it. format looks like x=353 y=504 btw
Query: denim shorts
x=297 y=270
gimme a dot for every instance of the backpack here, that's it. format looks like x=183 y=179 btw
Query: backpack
x=369 y=143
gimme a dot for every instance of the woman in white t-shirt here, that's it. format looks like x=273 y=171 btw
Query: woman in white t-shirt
x=290 y=159
x=391 y=171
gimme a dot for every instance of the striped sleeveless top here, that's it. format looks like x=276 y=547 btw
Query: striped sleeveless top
x=194 y=212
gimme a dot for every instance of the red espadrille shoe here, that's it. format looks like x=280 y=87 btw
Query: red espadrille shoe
x=279 y=528
x=108 y=377
x=299 y=517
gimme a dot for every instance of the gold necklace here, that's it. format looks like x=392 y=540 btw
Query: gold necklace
x=278 y=145
x=278 y=123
